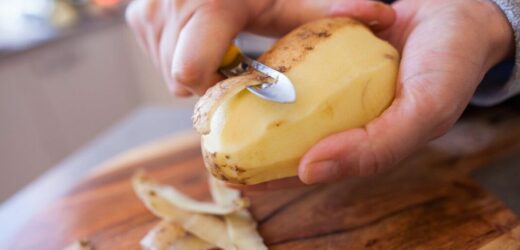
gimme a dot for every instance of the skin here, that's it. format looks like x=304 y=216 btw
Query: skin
x=446 y=45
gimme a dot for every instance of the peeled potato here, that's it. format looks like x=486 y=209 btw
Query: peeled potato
x=344 y=77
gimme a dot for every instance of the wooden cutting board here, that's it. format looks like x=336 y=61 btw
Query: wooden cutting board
x=428 y=202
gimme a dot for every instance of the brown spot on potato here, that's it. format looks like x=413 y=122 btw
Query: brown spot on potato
x=328 y=110
x=152 y=193
x=323 y=34
x=227 y=157
x=237 y=169
x=262 y=78
x=390 y=57
x=304 y=34
x=275 y=124
x=282 y=69
x=309 y=48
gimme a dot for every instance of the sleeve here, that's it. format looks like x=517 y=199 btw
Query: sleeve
x=491 y=95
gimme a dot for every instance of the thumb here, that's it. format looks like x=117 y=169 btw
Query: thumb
x=203 y=41
x=372 y=149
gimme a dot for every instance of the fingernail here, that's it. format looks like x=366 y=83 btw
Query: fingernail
x=320 y=171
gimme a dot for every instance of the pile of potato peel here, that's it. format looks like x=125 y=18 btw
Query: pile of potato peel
x=191 y=224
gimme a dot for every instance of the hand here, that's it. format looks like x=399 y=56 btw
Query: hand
x=447 y=46
x=187 y=39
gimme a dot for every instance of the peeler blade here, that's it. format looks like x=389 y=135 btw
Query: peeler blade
x=279 y=89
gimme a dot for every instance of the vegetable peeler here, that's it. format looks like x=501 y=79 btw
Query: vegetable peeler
x=277 y=88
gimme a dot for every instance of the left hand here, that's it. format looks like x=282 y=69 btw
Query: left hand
x=447 y=46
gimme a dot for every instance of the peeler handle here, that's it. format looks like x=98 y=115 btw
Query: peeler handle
x=233 y=63
x=231 y=58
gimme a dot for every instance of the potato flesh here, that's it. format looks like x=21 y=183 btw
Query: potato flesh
x=347 y=80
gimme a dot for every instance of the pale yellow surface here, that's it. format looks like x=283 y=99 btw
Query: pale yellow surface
x=345 y=82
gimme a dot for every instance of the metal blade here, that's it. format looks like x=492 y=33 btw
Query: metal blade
x=279 y=90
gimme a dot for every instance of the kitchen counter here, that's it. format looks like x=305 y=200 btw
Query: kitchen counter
x=140 y=127
x=484 y=143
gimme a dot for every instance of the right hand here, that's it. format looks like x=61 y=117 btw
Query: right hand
x=187 y=39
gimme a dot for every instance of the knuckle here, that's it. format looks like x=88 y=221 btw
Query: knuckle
x=367 y=163
x=213 y=5
x=180 y=91
x=434 y=113
x=374 y=161
x=377 y=155
x=441 y=115
x=443 y=127
x=187 y=74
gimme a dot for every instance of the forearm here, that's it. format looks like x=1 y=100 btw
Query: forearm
x=490 y=95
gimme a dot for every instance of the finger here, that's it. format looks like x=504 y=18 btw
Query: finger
x=166 y=49
x=203 y=42
x=365 y=151
x=287 y=15
x=177 y=14
x=151 y=38
x=435 y=83
x=153 y=29
x=286 y=183
x=181 y=91
x=377 y=15
x=134 y=19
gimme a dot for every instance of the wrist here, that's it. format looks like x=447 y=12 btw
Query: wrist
x=500 y=34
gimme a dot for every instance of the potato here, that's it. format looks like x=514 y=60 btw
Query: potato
x=344 y=77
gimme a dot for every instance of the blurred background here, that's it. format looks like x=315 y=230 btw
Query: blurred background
x=68 y=71
x=75 y=88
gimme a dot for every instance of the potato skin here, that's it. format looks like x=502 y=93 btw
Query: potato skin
x=292 y=48
x=293 y=55
x=214 y=167
x=216 y=95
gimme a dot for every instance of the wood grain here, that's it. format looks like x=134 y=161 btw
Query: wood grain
x=428 y=202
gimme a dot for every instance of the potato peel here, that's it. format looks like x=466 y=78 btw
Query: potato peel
x=241 y=227
x=186 y=203
x=218 y=94
x=206 y=227
x=168 y=235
